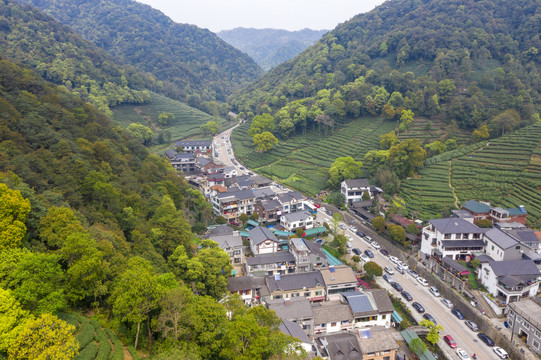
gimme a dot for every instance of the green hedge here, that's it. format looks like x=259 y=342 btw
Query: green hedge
x=86 y=335
x=88 y=353
x=133 y=353
x=118 y=352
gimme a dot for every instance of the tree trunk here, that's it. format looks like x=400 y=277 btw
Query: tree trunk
x=137 y=335
x=149 y=333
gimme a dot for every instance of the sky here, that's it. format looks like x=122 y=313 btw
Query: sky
x=217 y=15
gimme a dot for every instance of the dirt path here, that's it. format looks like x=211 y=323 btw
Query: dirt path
x=451 y=186
x=127 y=355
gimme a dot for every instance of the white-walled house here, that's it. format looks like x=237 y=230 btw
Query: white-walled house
x=298 y=219
x=510 y=280
x=353 y=189
x=263 y=241
x=501 y=246
x=452 y=237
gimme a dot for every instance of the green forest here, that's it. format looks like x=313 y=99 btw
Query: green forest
x=189 y=63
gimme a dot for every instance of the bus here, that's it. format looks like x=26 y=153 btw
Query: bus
x=310 y=207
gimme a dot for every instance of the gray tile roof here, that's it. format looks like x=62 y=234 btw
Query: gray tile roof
x=380 y=340
x=297 y=216
x=292 y=308
x=289 y=196
x=265 y=192
x=295 y=281
x=227 y=241
x=236 y=194
x=270 y=205
x=526 y=236
x=510 y=281
x=261 y=180
x=299 y=244
x=331 y=312
x=382 y=300
x=357 y=183
x=202 y=161
x=260 y=234
x=500 y=238
x=514 y=268
x=455 y=226
x=476 y=207
x=315 y=248
x=170 y=153
x=342 y=347
x=274 y=258
x=222 y=229
x=245 y=283
x=295 y=330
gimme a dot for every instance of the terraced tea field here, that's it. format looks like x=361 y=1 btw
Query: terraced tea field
x=505 y=171
x=302 y=161
x=428 y=130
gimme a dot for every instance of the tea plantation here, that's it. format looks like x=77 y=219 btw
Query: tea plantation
x=504 y=171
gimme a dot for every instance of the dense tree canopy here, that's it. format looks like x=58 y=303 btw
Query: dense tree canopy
x=343 y=168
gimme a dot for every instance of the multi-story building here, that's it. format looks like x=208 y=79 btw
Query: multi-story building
x=297 y=310
x=291 y=201
x=369 y=308
x=249 y=288
x=282 y=262
x=524 y=319
x=483 y=210
x=331 y=317
x=269 y=210
x=511 y=280
x=233 y=202
x=232 y=245
x=298 y=219
x=353 y=190
x=184 y=162
x=263 y=241
x=308 y=256
x=452 y=237
x=338 y=279
x=502 y=246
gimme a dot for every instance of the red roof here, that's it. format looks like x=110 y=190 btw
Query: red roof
x=404 y=221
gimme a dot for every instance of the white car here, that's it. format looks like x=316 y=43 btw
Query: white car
x=322 y=209
x=353 y=228
x=447 y=303
x=394 y=259
x=368 y=238
x=343 y=226
x=500 y=352
x=434 y=291
x=375 y=245
x=403 y=264
x=389 y=270
x=348 y=237
x=364 y=257
x=422 y=281
x=349 y=244
x=462 y=354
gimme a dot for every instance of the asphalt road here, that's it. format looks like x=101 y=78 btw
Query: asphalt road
x=463 y=336
x=222 y=146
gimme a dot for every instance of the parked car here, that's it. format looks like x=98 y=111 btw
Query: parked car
x=473 y=326
x=406 y=295
x=403 y=264
x=348 y=237
x=394 y=259
x=434 y=291
x=349 y=244
x=368 y=238
x=501 y=352
x=369 y=253
x=429 y=317
x=420 y=309
x=384 y=252
x=486 y=339
x=462 y=354
x=387 y=278
x=323 y=209
x=353 y=228
x=458 y=314
x=360 y=233
x=447 y=303
x=422 y=281
x=400 y=269
x=328 y=212
x=343 y=226
x=413 y=274
x=241 y=168
x=450 y=341
x=348 y=251
x=364 y=258
x=375 y=245
x=357 y=251
x=319 y=241
x=397 y=286
x=389 y=270
x=317 y=205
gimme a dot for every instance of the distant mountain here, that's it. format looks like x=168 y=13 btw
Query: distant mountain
x=270 y=47
x=463 y=61
x=187 y=59
x=61 y=56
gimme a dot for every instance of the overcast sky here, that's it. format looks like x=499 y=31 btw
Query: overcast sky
x=217 y=15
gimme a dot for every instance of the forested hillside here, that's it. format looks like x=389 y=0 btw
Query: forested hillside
x=89 y=221
x=59 y=55
x=190 y=62
x=463 y=61
x=270 y=47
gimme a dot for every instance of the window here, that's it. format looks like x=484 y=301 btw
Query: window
x=517 y=247
x=318 y=293
x=333 y=324
x=492 y=247
x=307 y=294
x=526 y=325
x=535 y=344
x=387 y=358
x=447 y=236
x=383 y=317
x=277 y=296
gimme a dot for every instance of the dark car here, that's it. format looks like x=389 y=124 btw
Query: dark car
x=406 y=295
x=429 y=317
x=420 y=309
x=458 y=314
x=359 y=233
x=397 y=286
x=484 y=338
x=356 y=251
x=384 y=252
x=369 y=253
x=328 y=212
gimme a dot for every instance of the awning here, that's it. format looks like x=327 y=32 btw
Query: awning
x=315 y=231
x=317 y=298
x=244 y=233
x=252 y=222
x=455 y=266
x=396 y=317
x=283 y=233
x=331 y=260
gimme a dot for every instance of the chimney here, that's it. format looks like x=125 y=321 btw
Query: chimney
x=287 y=301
